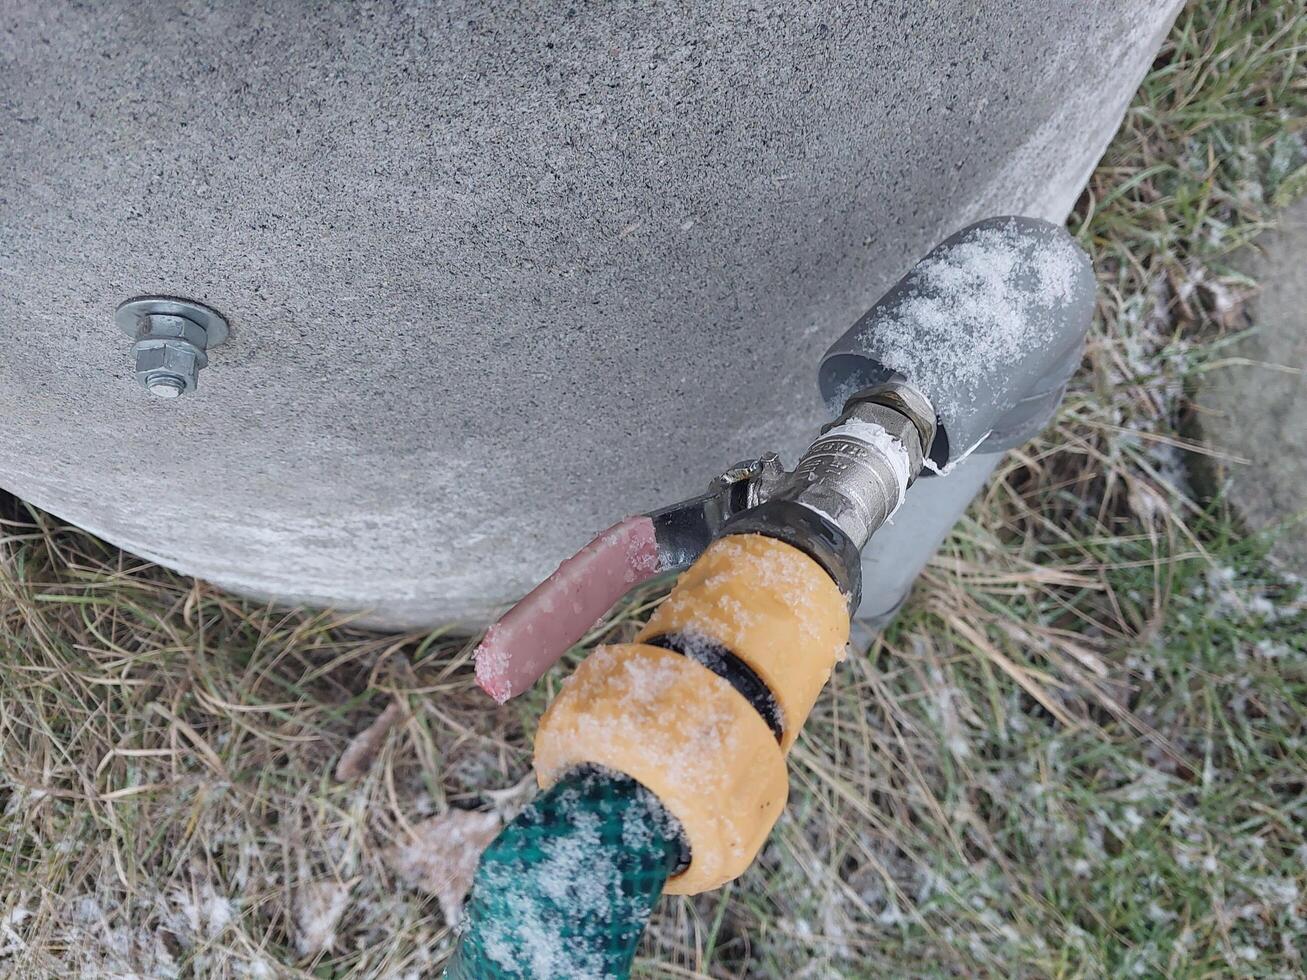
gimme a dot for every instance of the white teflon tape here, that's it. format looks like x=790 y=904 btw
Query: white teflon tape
x=880 y=439
x=947 y=468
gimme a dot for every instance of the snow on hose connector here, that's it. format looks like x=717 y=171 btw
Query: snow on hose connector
x=680 y=737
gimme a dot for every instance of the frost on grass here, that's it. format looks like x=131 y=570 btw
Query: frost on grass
x=318 y=908
x=442 y=855
x=155 y=934
x=205 y=913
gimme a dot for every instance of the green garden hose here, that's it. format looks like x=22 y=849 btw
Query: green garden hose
x=566 y=889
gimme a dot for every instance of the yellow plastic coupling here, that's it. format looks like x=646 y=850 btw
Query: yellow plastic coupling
x=688 y=734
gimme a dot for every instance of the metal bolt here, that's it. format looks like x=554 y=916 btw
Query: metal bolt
x=173 y=337
x=165 y=385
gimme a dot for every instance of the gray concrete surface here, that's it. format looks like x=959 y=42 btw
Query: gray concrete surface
x=495 y=278
x=1255 y=408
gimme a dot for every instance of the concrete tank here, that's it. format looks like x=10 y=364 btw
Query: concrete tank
x=494 y=278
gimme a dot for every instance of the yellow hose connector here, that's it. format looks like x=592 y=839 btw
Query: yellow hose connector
x=687 y=734
x=770 y=605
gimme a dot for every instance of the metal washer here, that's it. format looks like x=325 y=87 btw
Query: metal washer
x=131 y=312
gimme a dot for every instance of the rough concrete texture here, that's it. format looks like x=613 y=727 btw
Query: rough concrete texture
x=1255 y=408
x=495 y=278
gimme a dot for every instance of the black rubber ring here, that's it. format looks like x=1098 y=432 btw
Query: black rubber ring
x=729 y=668
x=821 y=540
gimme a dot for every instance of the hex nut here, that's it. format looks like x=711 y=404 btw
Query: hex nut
x=905 y=400
x=892 y=420
x=175 y=359
x=164 y=328
x=171 y=338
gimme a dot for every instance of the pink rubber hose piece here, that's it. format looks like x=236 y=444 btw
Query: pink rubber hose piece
x=531 y=636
